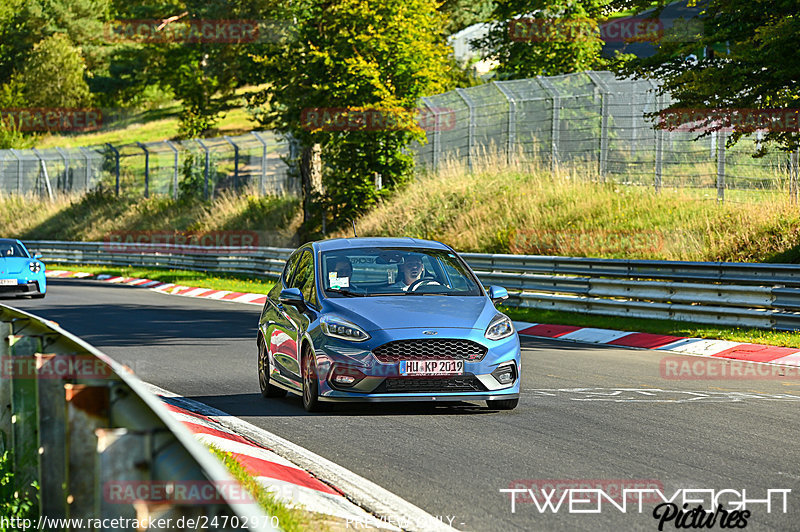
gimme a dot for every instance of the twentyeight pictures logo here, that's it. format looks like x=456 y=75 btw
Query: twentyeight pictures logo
x=681 y=508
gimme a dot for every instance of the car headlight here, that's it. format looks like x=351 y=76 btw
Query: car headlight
x=35 y=267
x=339 y=328
x=500 y=327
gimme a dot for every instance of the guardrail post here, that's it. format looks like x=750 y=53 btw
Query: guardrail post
x=511 y=125
x=87 y=410
x=116 y=167
x=555 y=120
x=263 y=185
x=207 y=167
x=471 y=131
x=235 y=162
x=720 y=165
x=52 y=445
x=24 y=412
x=174 y=169
x=146 y=169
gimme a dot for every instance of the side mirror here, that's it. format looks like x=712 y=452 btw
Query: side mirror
x=293 y=297
x=497 y=294
x=37 y=256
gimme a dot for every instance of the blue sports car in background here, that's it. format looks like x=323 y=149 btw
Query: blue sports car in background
x=386 y=319
x=20 y=274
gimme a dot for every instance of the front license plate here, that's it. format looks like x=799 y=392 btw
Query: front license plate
x=430 y=368
x=8 y=282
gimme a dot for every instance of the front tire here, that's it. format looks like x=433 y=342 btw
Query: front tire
x=503 y=404
x=267 y=388
x=311 y=400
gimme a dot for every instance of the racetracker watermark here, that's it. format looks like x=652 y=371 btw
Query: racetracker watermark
x=184 y=30
x=699 y=369
x=180 y=242
x=730 y=120
x=189 y=492
x=51 y=119
x=377 y=119
x=51 y=366
x=572 y=241
x=626 y=30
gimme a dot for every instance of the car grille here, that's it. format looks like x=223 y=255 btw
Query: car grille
x=461 y=383
x=424 y=349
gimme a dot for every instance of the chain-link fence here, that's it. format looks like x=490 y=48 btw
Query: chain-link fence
x=598 y=124
x=256 y=161
x=589 y=122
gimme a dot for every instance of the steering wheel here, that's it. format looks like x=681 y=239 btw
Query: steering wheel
x=422 y=282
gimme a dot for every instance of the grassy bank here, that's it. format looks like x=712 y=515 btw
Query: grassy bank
x=93 y=217
x=529 y=210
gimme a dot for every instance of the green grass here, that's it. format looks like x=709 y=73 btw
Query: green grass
x=231 y=282
x=289 y=519
x=152 y=125
x=673 y=328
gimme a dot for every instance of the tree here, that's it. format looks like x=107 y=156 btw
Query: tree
x=53 y=75
x=545 y=37
x=350 y=57
x=746 y=57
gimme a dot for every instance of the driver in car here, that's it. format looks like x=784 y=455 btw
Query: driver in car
x=411 y=270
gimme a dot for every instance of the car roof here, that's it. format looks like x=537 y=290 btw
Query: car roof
x=363 y=242
x=9 y=241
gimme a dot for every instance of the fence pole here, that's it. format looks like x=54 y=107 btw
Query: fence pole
x=511 y=126
x=174 y=169
x=146 y=169
x=86 y=173
x=602 y=160
x=235 y=162
x=720 y=166
x=43 y=168
x=19 y=170
x=793 y=175
x=263 y=185
x=555 y=120
x=116 y=167
x=436 y=144
x=471 y=131
x=66 y=169
x=207 y=167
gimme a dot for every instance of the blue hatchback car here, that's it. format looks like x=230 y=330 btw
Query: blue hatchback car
x=386 y=319
x=20 y=273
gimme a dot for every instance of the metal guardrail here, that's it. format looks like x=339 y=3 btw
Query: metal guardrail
x=721 y=293
x=85 y=428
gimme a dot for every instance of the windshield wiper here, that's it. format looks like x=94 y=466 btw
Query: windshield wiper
x=346 y=293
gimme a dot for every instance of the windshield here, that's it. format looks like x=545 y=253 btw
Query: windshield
x=12 y=249
x=395 y=271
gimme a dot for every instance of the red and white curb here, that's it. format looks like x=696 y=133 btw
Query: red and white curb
x=764 y=354
x=66 y=274
x=331 y=490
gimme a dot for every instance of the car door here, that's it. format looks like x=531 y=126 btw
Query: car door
x=280 y=336
x=291 y=322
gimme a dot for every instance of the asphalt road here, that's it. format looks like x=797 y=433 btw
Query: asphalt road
x=588 y=413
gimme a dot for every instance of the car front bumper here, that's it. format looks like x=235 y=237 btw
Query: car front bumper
x=381 y=381
x=23 y=288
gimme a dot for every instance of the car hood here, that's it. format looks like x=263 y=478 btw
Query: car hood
x=13 y=265
x=404 y=312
